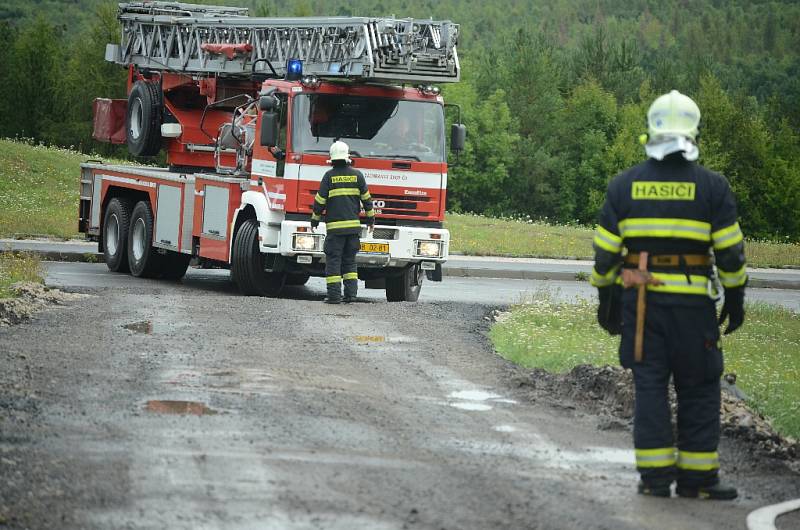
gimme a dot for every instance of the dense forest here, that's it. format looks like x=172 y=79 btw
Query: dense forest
x=554 y=92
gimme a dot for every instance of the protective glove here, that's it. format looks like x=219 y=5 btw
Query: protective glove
x=732 y=309
x=609 y=312
x=314 y=224
x=370 y=225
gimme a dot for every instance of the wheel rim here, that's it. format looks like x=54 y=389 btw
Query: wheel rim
x=112 y=234
x=138 y=239
x=136 y=119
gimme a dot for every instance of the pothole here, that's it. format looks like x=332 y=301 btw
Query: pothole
x=194 y=408
x=144 y=327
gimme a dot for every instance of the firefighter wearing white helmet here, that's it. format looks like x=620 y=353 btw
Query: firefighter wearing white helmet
x=341 y=194
x=669 y=214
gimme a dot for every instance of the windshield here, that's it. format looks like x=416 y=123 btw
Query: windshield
x=372 y=127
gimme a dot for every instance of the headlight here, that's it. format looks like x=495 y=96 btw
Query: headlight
x=305 y=242
x=429 y=249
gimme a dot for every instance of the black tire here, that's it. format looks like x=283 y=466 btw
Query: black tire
x=297 y=279
x=174 y=265
x=143 y=119
x=143 y=259
x=405 y=287
x=247 y=264
x=116 y=223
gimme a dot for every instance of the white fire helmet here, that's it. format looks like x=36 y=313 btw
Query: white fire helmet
x=340 y=151
x=673 y=114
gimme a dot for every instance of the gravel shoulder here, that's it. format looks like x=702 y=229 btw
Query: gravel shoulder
x=162 y=406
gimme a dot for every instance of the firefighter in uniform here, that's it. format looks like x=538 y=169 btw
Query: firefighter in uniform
x=669 y=212
x=341 y=193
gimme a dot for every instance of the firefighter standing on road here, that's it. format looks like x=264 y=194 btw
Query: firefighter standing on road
x=342 y=191
x=668 y=212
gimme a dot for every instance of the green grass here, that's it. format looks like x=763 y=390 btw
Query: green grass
x=39 y=197
x=17 y=267
x=764 y=353
x=484 y=236
x=39 y=189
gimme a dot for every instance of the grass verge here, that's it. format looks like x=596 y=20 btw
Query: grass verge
x=39 y=189
x=483 y=236
x=764 y=353
x=39 y=197
x=18 y=267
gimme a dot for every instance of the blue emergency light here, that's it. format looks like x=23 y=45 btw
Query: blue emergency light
x=294 y=69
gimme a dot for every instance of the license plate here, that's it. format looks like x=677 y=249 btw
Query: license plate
x=375 y=248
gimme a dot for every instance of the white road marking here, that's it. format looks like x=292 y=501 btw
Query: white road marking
x=764 y=518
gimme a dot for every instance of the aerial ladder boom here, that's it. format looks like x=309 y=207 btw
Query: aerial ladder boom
x=225 y=42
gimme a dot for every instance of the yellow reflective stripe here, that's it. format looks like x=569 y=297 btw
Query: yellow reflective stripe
x=355 y=223
x=661 y=457
x=315 y=217
x=698 y=461
x=350 y=276
x=340 y=192
x=320 y=199
x=366 y=196
x=333 y=279
x=677 y=284
x=603 y=280
x=727 y=237
x=657 y=227
x=370 y=213
x=733 y=279
x=607 y=240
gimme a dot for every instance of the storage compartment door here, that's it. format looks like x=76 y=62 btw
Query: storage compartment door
x=168 y=216
x=215 y=211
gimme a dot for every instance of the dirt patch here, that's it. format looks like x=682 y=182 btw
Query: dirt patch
x=30 y=299
x=608 y=392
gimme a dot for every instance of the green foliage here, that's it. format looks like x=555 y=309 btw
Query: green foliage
x=18 y=267
x=554 y=93
x=764 y=353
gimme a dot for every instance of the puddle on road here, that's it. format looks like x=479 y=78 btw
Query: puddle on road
x=364 y=339
x=504 y=428
x=194 y=408
x=473 y=395
x=478 y=407
x=145 y=327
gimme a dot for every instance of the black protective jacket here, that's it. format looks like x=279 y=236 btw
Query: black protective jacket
x=341 y=193
x=670 y=207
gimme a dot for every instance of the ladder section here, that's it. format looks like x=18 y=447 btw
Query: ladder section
x=220 y=41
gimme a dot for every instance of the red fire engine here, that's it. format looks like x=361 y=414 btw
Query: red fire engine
x=246 y=109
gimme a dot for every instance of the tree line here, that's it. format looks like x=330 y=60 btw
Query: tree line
x=554 y=93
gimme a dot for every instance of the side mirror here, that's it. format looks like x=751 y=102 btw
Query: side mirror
x=458 y=137
x=270 y=128
x=268 y=103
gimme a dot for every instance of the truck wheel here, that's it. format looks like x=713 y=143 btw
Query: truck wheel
x=174 y=265
x=297 y=279
x=143 y=259
x=143 y=119
x=247 y=264
x=405 y=287
x=115 y=234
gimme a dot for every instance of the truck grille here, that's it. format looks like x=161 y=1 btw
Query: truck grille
x=384 y=233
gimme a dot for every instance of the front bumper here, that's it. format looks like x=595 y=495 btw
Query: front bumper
x=406 y=245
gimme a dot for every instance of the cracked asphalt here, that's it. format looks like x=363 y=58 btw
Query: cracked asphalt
x=159 y=405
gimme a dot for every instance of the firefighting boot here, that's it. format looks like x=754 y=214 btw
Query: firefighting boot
x=654 y=489
x=717 y=492
x=334 y=293
x=350 y=291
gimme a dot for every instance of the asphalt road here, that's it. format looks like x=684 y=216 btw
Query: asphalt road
x=152 y=404
x=490 y=291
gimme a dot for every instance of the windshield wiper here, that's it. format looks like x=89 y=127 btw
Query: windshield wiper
x=403 y=157
x=352 y=153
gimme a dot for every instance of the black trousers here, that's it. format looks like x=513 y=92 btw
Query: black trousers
x=680 y=342
x=340 y=264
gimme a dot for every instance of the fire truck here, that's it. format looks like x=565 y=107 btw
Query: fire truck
x=246 y=109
